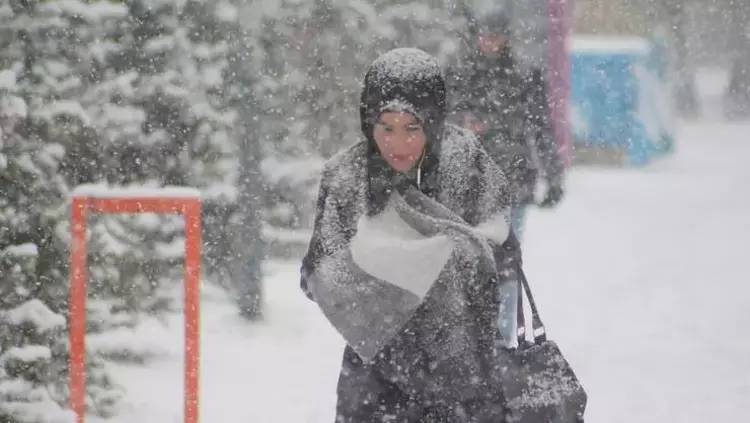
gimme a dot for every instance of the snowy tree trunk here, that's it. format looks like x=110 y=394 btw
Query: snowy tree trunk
x=248 y=246
x=249 y=251
x=47 y=77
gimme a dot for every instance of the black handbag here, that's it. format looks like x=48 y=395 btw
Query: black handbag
x=536 y=381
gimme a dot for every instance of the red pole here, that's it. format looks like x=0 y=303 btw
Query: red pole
x=192 y=213
x=558 y=76
x=77 y=309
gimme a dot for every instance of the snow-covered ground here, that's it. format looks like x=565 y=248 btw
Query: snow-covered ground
x=641 y=276
x=282 y=369
x=643 y=279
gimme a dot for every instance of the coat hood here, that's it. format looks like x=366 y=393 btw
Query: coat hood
x=404 y=80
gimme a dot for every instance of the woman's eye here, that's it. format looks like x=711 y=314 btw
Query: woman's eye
x=414 y=128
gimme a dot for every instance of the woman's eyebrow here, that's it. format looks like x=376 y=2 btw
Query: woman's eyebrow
x=413 y=122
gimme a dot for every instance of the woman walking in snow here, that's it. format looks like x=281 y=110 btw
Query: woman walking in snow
x=409 y=251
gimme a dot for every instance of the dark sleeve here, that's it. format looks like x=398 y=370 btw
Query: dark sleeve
x=315 y=250
x=540 y=130
x=459 y=95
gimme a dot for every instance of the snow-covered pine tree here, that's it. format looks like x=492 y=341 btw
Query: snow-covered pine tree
x=45 y=66
x=435 y=26
x=32 y=338
x=306 y=59
x=32 y=341
x=162 y=121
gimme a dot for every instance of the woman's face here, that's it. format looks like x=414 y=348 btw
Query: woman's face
x=400 y=139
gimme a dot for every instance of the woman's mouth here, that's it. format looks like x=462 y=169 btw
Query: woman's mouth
x=402 y=157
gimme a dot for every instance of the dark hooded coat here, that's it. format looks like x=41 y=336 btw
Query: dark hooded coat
x=512 y=103
x=357 y=182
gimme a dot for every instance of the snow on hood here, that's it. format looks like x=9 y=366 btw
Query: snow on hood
x=410 y=78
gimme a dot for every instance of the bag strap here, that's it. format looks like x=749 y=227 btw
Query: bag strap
x=540 y=334
x=521 y=321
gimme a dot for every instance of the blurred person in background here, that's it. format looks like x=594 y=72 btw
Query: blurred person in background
x=685 y=91
x=506 y=107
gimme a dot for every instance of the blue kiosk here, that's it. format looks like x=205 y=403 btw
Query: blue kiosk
x=620 y=98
